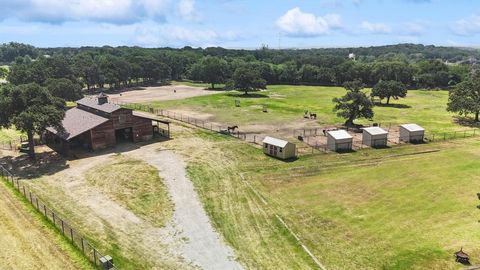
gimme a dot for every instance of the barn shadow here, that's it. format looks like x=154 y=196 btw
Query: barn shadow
x=396 y=106
x=45 y=163
x=119 y=148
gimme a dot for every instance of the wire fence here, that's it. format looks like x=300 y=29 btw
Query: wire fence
x=76 y=239
x=233 y=131
x=314 y=138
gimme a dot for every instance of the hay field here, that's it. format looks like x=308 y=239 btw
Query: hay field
x=29 y=242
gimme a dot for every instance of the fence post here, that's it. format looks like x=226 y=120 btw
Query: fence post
x=45 y=210
x=30 y=193
x=63 y=227
x=71 y=234
x=36 y=199
x=83 y=246
x=24 y=193
x=95 y=256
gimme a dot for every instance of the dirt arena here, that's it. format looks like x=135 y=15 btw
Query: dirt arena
x=159 y=93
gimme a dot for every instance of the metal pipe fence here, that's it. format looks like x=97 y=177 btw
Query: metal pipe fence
x=305 y=134
x=75 y=238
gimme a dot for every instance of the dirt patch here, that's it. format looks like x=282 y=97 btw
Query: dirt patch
x=160 y=93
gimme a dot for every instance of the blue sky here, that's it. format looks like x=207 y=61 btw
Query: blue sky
x=240 y=23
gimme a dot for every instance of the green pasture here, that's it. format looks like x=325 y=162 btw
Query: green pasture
x=286 y=104
x=407 y=207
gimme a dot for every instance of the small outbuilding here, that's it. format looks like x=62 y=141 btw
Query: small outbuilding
x=374 y=137
x=411 y=133
x=339 y=140
x=279 y=148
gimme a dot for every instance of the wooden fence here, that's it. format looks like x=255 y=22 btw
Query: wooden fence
x=76 y=239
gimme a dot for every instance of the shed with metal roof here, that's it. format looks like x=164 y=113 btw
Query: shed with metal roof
x=411 y=133
x=339 y=140
x=279 y=148
x=375 y=137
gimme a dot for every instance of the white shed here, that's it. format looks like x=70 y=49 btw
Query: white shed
x=374 y=137
x=339 y=140
x=278 y=148
x=411 y=133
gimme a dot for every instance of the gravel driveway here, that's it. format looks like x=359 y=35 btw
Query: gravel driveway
x=190 y=231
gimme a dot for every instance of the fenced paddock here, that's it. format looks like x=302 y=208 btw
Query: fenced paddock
x=76 y=239
x=314 y=140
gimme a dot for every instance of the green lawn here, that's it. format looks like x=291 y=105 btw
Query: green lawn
x=7 y=135
x=287 y=104
x=396 y=208
x=381 y=212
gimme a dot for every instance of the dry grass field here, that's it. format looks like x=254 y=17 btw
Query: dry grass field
x=28 y=242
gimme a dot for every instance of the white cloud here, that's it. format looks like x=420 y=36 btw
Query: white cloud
x=186 y=9
x=153 y=34
x=376 y=28
x=416 y=28
x=298 y=23
x=467 y=26
x=59 y=11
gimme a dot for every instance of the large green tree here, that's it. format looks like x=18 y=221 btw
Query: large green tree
x=465 y=97
x=353 y=105
x=64 y=89
x=389 y=89
x=31 y=109
x=248 y=79
x=215 y=70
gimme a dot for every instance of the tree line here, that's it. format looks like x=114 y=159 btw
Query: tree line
x=415 y=66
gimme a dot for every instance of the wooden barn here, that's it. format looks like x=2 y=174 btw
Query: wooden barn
x=96 y=124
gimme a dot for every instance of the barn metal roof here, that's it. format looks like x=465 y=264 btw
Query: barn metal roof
x=375 y=130
x=76 y=122
x=149 y=116
x=339 y=134
x=93 y=103
x=275 y=141
x=412 y=127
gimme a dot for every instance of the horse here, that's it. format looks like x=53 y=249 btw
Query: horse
x=305 y=114
x=313 y=116
x=232 y=129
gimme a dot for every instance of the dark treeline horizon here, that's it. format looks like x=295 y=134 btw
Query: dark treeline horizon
x=416 y=66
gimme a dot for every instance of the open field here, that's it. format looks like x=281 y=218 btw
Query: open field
x=286 y=106
x=374 y=209
x=168 y=92
x=28 y=242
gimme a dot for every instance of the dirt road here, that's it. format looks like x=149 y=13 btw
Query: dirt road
x=202 y=246
x=24 y=242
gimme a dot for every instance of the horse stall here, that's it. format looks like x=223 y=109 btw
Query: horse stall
x=412 y=133
x=339 y=140
x=278 y=148
x=375 y=137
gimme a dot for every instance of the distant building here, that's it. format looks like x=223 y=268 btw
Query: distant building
x=279 y=148
x=95 y=124
x=351 y=56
